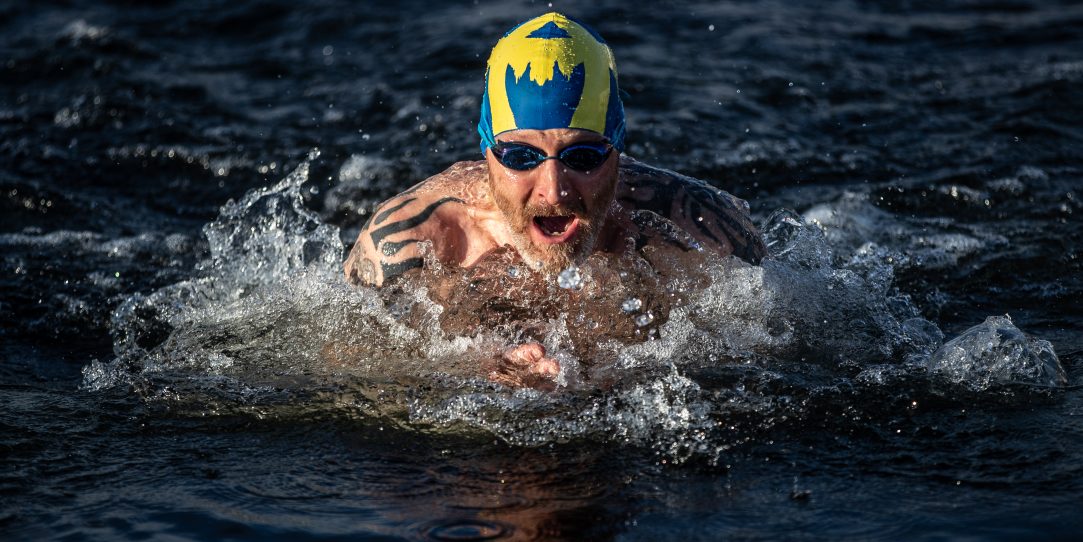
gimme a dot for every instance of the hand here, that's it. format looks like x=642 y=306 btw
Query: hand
x=525 y=365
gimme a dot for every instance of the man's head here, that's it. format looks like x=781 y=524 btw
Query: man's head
x=552 y=126
x=554 y=211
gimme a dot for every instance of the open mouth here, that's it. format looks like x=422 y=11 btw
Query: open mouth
x=553 y=226
x=555 y=229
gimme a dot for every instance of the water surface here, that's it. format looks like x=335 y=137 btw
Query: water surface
x=170 y=251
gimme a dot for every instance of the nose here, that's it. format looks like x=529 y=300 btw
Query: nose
x=551 y=184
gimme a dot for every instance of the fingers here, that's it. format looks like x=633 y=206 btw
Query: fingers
x=546 y=367
x=525 y=354
x=526 y=365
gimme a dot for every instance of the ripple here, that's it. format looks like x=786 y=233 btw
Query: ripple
x=466 y=529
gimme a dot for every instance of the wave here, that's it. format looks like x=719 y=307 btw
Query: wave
x=266 y=324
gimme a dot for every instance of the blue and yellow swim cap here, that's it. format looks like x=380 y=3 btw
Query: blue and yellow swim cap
x=551 y=72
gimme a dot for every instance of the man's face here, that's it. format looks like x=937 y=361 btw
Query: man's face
x=554 y=212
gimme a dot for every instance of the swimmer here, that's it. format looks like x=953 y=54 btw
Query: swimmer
x=554 y=184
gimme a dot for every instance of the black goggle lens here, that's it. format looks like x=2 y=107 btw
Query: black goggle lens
x=584 y=157
x=521 y=157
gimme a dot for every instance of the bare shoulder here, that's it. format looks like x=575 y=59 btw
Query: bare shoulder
x=388 y=244
x=714 y=217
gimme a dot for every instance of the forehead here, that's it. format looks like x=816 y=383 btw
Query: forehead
x=552 y=138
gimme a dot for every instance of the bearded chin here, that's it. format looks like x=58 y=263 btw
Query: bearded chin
x=550 y=258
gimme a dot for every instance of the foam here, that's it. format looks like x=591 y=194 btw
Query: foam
x=997 y=352
x=266 y=319
x=79 y=30
x=852 y=221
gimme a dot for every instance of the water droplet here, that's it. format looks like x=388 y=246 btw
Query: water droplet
x=513 y=271
x=644 y=319
x=631 y=304
x=570 y=278
x=710 y=27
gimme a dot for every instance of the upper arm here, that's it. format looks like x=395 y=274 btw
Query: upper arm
x=715 y=218
x=719 y=219
x=388 y=244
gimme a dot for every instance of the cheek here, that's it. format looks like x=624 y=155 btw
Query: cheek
x=515 y=190
x=508 y=185
x=594 y=190
x=599 y=186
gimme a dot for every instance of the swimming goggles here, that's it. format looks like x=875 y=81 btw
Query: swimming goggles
x=580 y=157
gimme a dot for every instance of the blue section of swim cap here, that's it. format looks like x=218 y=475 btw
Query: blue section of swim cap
x=614 y=115
x=485 y=123
x=550 y=31
x=541 y=107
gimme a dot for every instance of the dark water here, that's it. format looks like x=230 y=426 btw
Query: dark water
x=936 y=143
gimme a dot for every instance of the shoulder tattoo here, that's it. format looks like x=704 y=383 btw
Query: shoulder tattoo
x=392 y=236
x=716 y=217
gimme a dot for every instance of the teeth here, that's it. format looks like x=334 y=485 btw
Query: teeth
x=553 y=225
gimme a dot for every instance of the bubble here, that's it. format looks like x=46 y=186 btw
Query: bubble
x=570 y=278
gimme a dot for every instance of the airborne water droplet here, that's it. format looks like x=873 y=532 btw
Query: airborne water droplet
x=570 y=278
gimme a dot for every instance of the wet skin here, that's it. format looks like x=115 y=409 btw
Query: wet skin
x=551 y=216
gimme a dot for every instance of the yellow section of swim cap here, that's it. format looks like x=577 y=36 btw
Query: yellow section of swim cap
x=519 y=51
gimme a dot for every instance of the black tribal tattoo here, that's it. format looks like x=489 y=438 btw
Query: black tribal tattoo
x=391 y=248
x=670 y=195
x=378 y=219
x=392 y=270
x=379 y=234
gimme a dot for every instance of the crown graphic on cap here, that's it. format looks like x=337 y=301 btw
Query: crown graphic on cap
x=551 y=72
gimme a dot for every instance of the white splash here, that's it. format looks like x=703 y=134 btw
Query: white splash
x=997 y=352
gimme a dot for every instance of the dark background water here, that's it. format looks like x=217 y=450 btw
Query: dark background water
x=125 y=126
